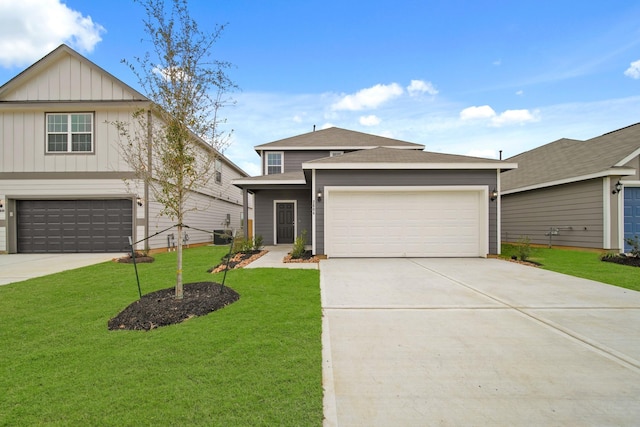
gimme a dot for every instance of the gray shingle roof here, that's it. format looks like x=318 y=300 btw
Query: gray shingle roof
x=275 y=178
x=393 y=155
x=337 y=138
x=569 y=158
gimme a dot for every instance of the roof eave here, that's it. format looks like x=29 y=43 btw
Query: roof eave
x=259 y=148
x=426 y=166
x=601 y=174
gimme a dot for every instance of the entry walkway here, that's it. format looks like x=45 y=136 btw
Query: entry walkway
x=475 y=342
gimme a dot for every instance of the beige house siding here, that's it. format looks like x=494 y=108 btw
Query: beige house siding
x=575 y=210
x=68 y=79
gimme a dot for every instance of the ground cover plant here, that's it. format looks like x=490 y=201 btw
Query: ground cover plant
x=254 y=362
x=585 y=264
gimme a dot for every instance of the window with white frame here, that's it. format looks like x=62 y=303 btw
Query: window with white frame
x=69 y=132
x=218 y=171
x=274 y=163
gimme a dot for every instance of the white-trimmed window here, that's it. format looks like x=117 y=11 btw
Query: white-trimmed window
x=335 y=153
x=218 y=171
x=69 y=132
x=274 y=163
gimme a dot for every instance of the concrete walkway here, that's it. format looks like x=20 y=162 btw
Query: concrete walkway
x=410 y=342
x=19 y=267
x=273 y=259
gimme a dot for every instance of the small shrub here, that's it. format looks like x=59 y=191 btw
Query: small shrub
x=242 y=245
x=635 y=245
x=257 y=243
x=298 y=246
x=609 y=255
x=523 y=248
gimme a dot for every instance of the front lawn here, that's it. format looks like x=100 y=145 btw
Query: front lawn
x=255 y=362
x=583 y=264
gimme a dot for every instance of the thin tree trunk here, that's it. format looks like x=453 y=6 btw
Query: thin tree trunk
x=179 y=289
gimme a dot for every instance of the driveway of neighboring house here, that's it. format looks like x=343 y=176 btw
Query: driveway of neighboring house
x=19 y=267
x=475 y=342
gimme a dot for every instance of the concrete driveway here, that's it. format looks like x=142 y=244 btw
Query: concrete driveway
x=476 y=342
x=19 y=267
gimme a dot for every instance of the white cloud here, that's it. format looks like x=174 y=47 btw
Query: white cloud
x=419 y=86
x=634 y=70
x=371 y=97
x=520 y=92
x=513 y=117
x=29 y=29
x=482 y=112
x=497 y=62
x=369 y=120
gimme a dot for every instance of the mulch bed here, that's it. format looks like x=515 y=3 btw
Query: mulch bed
x=306 y=257
x=140 y=258
x=238 y=260
x=624 y=260
x=161 y=308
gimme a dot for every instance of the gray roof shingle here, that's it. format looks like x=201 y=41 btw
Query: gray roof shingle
x=337 y=138
x=569 y=158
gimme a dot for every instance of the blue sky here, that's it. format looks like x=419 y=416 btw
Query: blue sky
x=463 y=77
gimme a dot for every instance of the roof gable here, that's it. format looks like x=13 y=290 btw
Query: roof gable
x=65 y=75
x=565 y=160
x=338 y=139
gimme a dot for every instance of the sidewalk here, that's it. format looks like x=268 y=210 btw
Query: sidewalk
x=273 y=259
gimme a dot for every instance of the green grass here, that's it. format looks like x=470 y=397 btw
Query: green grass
x=583 y=264
x=256 y=362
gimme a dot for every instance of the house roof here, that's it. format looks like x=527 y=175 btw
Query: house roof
x=336 y=139
x=295 y=178
x=392 y=158
x=570 y=160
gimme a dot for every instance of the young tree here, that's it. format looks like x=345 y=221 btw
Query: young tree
x=172 y=146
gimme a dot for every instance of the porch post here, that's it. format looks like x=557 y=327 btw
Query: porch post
x=245 y=210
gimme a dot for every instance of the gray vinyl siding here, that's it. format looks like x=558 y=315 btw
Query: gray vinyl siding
x=406 y=178
x=264 y=221
x=294 y=159
x=576 y=205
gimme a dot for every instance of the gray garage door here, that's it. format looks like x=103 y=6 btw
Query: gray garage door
x=57 y=226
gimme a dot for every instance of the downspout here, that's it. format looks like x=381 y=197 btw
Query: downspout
x=499 y=213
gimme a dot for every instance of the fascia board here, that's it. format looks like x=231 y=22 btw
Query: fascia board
x=414 y=166
x=608 y=172
x=417 y=147
x=627 y=159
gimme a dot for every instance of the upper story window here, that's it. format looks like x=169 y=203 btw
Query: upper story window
x=274 y=163
x=218 y=171
x=69 y=132
x=335 y=153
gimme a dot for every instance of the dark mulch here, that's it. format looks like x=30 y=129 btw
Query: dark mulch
x=307 y=256
x=161 y=308
x=624 y=260
x=140 y=258
x=238 y=260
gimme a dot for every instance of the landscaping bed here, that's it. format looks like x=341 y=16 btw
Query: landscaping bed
x=238 y=260
x=623 y=259
x=307 y=256
x=161 y=308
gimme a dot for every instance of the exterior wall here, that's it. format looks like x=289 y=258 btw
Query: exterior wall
x=405 y=178
x=71 y=79
x=294 y=159
x=576 y=209
x=23 y=142
x=264 y=219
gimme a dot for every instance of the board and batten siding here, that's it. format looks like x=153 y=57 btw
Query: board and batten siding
x=264 y=220
x=575 y=209
x=406 y=178
x=69 y=79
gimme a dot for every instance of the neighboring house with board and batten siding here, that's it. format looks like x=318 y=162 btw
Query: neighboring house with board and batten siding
x=62 y=176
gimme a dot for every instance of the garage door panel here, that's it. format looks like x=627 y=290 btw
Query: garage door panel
x=404 y=223
x=73 y=225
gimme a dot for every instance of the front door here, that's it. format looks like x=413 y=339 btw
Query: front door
x=631 y=215
x=285 y=217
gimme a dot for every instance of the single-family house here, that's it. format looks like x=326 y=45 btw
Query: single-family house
x=575 y=193
x=62 y=174
x=362 y=195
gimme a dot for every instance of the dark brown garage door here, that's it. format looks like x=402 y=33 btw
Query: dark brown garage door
x=56 y=226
